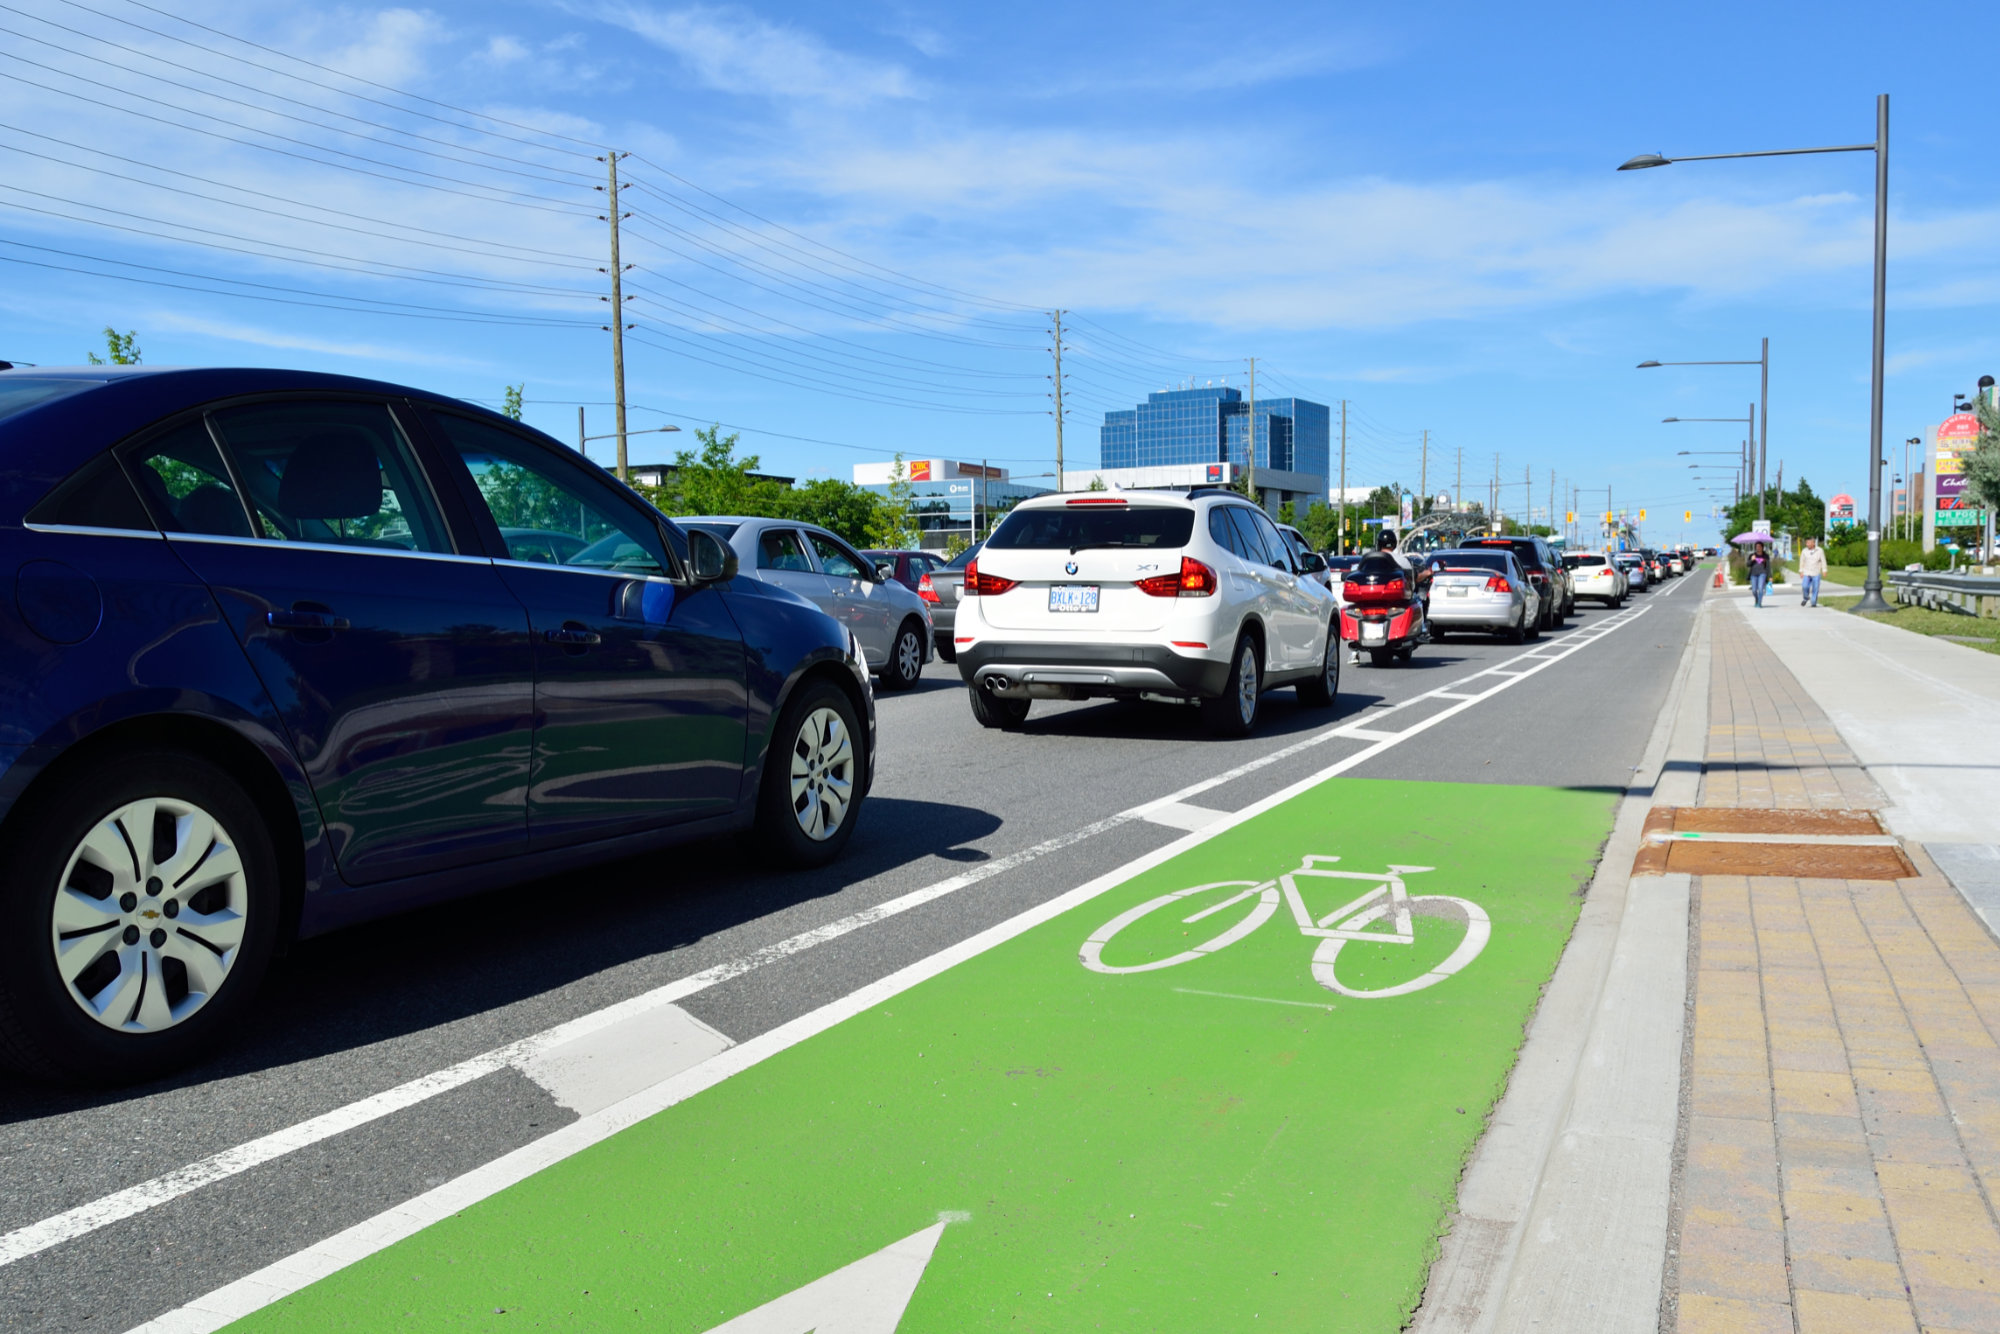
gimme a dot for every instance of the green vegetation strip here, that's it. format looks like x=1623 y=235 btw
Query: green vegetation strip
x=1976 y=632
x=1221 y=1144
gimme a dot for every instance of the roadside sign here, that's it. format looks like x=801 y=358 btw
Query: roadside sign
x=1840 y=509
x=1761 y=527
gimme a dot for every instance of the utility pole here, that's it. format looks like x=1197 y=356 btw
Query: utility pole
x=1493 y=497
x=1340 y=544
x=1552 y=503
x=1057 y=348
x=1757 y=459
x=1528 y=496
x=1458 y=487
x=1253 y=435
x=1424 y=475
x=617 y=299
x=978 y=508
x=581 y=447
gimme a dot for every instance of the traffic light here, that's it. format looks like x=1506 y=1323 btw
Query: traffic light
x=1642 y=516
x=1687 y=516
x=1607 y=516
x=1569 y=516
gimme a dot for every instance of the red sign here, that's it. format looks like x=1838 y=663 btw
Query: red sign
x=920 y=470
x=1840 y=509
x=1215 y=472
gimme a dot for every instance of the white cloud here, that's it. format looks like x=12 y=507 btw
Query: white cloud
x=255 y=336
x=736 y=51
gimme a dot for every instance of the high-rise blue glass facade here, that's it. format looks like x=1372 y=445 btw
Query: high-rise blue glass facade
x=1211 y=425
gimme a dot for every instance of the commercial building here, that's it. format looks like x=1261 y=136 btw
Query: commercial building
x=1184 y=428
x=949 y=497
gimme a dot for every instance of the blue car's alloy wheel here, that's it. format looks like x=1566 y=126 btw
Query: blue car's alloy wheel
x=139 y=914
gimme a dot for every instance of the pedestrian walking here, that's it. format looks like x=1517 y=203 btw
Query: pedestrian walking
x=1812 y=564
x=1760 y=571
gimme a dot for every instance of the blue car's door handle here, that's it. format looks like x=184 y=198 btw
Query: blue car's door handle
x=304 y=620
x=572 y=634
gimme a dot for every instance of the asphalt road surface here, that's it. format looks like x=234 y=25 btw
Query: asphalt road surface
x=988 y=823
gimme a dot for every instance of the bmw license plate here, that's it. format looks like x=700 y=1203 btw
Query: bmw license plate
x=1072 y=597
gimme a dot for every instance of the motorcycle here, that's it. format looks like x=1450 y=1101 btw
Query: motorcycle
x=1384 y=608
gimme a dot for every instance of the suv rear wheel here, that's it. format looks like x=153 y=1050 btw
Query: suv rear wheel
x=1234 y=712
x=989 y=710
x=1324 y=689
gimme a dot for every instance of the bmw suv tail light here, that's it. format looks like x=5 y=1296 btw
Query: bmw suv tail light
x=1195 y=580
x=984 y=585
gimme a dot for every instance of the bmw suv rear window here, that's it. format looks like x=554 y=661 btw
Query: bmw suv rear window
x=1076 y=529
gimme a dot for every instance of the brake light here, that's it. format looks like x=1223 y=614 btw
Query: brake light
x=979 y=585
x=1195 y=580
x=926 y=590
x=1498 y=584
x=1393 y=591
x=1096 y=500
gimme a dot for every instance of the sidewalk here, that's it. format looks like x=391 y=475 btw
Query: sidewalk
x=1843 y=1090
x=1832 y=1161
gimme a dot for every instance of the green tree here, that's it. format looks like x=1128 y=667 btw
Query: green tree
x=1321 y=526
x=715 y=481
x=511 y=405
x=123 y=348
x=1097 y=484
x=893 y=528
x=1982 y=465
x=838 y=506
x=1288 y=514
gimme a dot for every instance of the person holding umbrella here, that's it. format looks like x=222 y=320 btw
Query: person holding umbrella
x=1759 y=562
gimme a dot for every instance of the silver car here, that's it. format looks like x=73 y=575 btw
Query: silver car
x=892 y=624
x=949 y=585
x=1483 y=589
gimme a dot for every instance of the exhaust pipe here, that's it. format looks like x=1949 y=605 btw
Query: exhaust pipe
x=996 y=681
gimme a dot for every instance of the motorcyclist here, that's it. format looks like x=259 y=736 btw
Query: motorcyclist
x=1389 y=543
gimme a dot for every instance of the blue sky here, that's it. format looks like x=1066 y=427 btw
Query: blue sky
x=850 y=218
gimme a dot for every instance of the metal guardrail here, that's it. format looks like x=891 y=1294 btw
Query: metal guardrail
x=1970 y=594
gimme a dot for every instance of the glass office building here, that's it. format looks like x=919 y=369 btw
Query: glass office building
x=1210 y=425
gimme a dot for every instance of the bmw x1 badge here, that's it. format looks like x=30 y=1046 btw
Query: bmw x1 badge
x=1069 y=568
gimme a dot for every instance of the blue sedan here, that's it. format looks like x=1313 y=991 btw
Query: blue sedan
x=281 y=651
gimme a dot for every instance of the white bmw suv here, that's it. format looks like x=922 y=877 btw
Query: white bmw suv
x=1189 y=596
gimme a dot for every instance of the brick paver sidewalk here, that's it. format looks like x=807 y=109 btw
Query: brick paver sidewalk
x=1843 y=1132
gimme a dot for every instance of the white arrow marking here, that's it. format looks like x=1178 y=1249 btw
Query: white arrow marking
x=866 y=1297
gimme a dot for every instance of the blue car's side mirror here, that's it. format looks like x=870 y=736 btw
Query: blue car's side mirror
x=711 y=557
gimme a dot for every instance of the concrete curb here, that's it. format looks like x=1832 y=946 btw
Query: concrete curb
x=1563 y=1211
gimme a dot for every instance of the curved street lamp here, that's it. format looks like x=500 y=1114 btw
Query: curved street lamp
x=1763 y=363
x=1871 y=589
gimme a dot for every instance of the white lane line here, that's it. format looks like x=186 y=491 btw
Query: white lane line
x=282 y=1278
x=134 y=1200
x=1367 y=734
x=1180 y=815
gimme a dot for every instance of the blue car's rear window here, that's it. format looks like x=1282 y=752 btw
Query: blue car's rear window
x=18 y=393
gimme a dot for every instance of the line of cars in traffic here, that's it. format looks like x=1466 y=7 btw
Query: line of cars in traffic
x=291 y=651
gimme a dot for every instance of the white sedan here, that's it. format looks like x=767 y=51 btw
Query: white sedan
x=1597 y=577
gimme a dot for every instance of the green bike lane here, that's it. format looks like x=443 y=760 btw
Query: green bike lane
x=1071 y=1130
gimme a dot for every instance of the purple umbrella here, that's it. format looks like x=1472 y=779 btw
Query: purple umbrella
x=1751 y=539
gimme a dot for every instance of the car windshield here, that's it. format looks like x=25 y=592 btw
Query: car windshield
x=19 y=393
x=1469 y=562
x=1074 y=529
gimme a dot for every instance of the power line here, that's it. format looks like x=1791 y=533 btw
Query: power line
x=520 y=200
x=265 y=92
x=262 y=194
x=345 y=92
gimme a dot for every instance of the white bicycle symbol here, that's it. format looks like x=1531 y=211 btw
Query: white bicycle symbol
x=1388 y=899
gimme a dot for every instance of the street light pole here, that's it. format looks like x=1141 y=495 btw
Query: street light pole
x=1871 y=589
